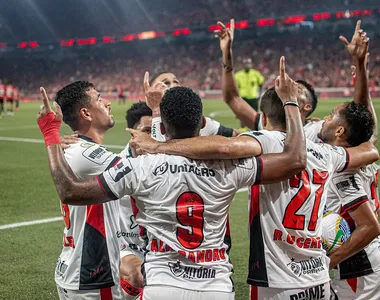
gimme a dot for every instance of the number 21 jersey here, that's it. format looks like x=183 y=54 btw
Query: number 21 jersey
x=285 y=219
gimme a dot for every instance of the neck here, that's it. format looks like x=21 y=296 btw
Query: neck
x=96 y=135
x=340 y=143
x=271 y=127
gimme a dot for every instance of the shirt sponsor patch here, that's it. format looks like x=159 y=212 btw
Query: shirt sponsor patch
x=96 y=154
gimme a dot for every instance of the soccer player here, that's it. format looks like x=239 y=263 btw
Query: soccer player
x=183 y=204
x=249 y=116
x=16 y=98
x=9 y=96
x=2 y=96
x=286 y=257
x=88 y=266
x=354 y=194
x=211 y=127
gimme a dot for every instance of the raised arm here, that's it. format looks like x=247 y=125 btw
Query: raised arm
x=71 y=190
x=292 y=160
x=243 y=111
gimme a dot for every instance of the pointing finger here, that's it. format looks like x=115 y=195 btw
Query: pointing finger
x=45 y=99
x=282 y=68
x=146 y=81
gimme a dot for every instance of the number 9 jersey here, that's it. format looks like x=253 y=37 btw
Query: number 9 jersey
x=183 y=204
x=285 y=219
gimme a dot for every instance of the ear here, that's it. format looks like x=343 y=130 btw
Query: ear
x=264 y=119
x=340 y=131
x=85 y=114
x=307 y=108
x=203 y=122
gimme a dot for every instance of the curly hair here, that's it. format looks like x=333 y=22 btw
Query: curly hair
x=136 y=112
x=71 y=99
x=359 y=123
x=181 y=112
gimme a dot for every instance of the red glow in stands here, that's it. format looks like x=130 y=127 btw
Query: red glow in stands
x=184 y=31
x=241 y=24
x=265 y=22
x=321 y=16
x=108 y=39
x=3 y=45
x=129 y=37
x=293 y=19
x=23 y=45
x=67 y=43
x=33 y=44
x=92 y=41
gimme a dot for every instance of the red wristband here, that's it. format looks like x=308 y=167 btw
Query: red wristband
x=49 y=127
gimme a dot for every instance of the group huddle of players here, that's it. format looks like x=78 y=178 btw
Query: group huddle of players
x=10 y=96
x=152 y=221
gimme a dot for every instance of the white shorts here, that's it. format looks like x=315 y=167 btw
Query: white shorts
x=319 y=292
x=111 y=293
x=361 y=288
x=164 y=292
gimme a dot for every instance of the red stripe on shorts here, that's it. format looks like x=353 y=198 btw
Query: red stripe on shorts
x=106 y=294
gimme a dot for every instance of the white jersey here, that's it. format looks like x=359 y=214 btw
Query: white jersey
x=312 y=129
x=345 y=192
x=90 y=256
x=285 y=219
x=183 y=204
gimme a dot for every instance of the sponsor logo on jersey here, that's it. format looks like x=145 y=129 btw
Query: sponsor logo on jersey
x=133 y=222
x=315 y=153
x=61 y=267
x=131 y=246
x=346 y=187
x=310 y=266
x=185 y=168
x=120 y=234
x=217 y=254
x=161 y=169
x=124 y=170
x=315 y=293
x=97 y=153
x=185 y=272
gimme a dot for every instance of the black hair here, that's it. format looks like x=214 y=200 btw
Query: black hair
x=359 y=123
x=271 y=105
x=181 y=112
x=156 y=75
x=136 y=112
x=313 y=101
x=71 y=99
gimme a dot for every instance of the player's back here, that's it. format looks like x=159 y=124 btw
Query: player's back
x=183 y=204
x=285 y=229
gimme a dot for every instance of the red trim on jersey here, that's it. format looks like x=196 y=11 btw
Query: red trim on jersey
x=228 y=232
x=129 y=288
x=353 y=283
x=95 y=217
x=141 y=295
x=347 y=162
x=106 y=294
x=254 y=202
x=253 y=293
x=353 y=204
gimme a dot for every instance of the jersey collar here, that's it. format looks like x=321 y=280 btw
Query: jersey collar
x=86 y=138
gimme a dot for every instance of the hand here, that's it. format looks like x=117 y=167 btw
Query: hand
x=142 y=142
x=286 y=88
x=154 y=94
x=226 y=35
x=358 y=47
x=45 y=109
x=67 y=140
x=366 y=64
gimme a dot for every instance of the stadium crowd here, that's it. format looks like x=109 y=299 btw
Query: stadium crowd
x=320 y=61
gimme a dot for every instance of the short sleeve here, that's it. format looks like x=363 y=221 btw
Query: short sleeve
x=245 y=172
x=312 y=130
x=340 y=158
x=156 y=130
x=269 y=142
x=121 y=179
x=349 y=189
x=89 y=159
x=211 y=127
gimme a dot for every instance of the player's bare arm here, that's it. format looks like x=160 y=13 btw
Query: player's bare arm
x=243 y=111
x=358 y=49
x=362 y=155
x=71 y=190
x=367 y=228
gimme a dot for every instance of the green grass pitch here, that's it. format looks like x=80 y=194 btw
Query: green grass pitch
x=28 y=254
